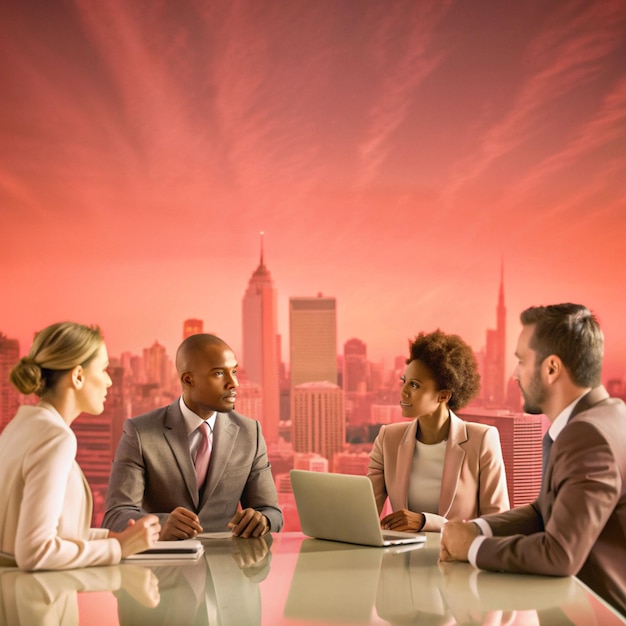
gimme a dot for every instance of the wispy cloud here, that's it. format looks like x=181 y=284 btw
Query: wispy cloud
x=604 y=130
x=402 y=63
x=565 y=56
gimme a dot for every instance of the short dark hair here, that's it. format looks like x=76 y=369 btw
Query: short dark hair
x=451 y=362
x=571 y=332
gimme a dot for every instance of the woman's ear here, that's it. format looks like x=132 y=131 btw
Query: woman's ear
x=78 y=376
x=445 y=395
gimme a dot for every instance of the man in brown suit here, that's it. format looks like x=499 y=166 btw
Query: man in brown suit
x=577 y=525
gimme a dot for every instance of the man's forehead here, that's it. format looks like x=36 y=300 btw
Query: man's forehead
x=217 y=356
x=523 y=342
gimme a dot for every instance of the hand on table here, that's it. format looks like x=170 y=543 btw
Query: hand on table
x=139 y=535
x=249 y=523
x=403 y=520
x=180 y=524
x=456 y=539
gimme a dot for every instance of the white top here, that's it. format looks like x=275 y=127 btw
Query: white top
x=425 y=480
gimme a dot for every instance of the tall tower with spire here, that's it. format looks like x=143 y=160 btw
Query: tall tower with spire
x=260 y=358
x=495 y=354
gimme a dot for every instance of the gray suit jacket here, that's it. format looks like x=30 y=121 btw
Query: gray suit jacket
x=577 y=525
x=153 y=472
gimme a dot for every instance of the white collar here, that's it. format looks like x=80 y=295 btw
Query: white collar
x=562 y=418
x=193 y=420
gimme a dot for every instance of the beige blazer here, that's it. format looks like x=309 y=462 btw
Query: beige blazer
x=577 y=525
x=473 y=481
x=45 y=501
x=153 y=472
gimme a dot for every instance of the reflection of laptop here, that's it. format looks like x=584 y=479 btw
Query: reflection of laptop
x=346 y=591
x=341 y=507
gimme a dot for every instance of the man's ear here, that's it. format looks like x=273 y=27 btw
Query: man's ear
x=78 y=377
x=187 y=379
x=553 y=367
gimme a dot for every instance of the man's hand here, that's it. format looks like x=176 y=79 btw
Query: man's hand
x=180 y=524
x=456 y=539
x=403 y=520
x=249 y=523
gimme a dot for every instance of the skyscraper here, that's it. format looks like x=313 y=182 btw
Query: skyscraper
x=354 y=365
x=260 y=345
x=520 y=438
x=192 y=327
x=495 y=355
x=9 y=396
x=318 y=419
x=313 y=340
x=158 y=366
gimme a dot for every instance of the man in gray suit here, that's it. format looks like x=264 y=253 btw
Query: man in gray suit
x=154 y=468
x=577 y=525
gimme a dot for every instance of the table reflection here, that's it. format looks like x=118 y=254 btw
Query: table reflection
x=219 y=588
x=51 y=598
x=310 y=582
x=407 y=585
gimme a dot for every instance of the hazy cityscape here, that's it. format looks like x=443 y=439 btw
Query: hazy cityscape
x=321 y=411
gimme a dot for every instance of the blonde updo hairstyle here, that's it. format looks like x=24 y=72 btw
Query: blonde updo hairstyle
x=57 y=350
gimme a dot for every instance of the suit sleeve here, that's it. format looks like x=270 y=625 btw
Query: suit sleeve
x=47 y=468
x=260 y=490
x=493 y=494
x=376 y=470
x=127 y=483
x=557 y=533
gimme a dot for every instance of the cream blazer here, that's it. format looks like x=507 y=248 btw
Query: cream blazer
x=45 y=501
x=473 y=482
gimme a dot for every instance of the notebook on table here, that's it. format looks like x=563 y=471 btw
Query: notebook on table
x=342 y=507
x=186 y=549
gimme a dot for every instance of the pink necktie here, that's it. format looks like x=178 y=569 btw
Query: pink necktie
x=203 y=454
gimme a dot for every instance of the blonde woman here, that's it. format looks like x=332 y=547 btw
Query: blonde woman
x=45 y=502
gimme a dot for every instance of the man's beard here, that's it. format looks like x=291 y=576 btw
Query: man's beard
x=535 y=396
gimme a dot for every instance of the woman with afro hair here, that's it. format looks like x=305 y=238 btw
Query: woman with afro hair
x=437 y=467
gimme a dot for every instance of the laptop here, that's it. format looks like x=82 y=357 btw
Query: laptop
x=342 y=507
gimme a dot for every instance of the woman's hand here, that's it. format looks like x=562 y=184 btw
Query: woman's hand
x=139 y=535
x=403 y=520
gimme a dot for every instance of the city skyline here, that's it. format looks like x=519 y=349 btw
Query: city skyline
x=491 y=339
x=395 y=154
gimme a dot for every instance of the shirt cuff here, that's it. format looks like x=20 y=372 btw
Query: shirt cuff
x=485 y=531
x=472 y=553
x=484 y=527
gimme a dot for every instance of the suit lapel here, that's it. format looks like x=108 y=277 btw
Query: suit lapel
x=224 y=437
x=175 y=433
x=453 y=461
x=597 y=394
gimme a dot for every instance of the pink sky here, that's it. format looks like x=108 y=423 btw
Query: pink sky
x=393 y=152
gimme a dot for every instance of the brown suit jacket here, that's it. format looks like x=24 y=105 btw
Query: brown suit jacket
x=577 y=525
x=153 y=472
x=473 y=481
